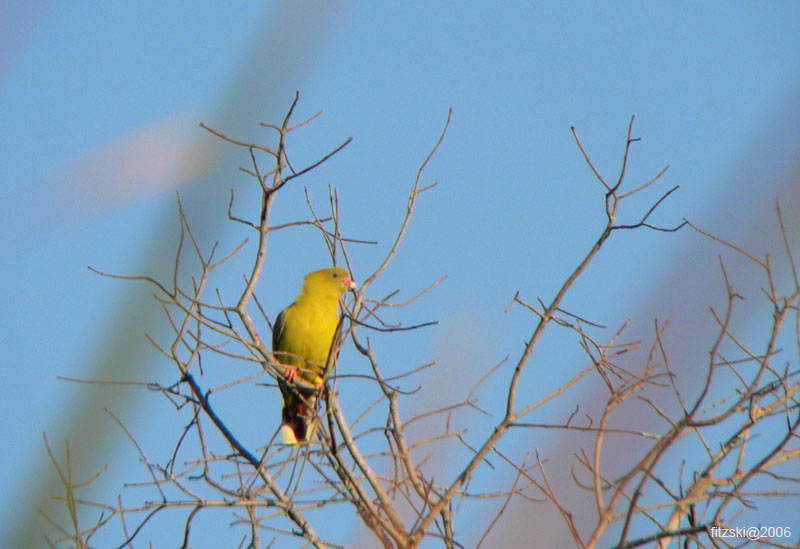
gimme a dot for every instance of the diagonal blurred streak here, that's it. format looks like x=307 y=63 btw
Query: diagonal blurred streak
x=17 y=24
x=288 y=40
x=164 y=154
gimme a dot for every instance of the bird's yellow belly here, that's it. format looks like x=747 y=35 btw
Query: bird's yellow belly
x=307 y=338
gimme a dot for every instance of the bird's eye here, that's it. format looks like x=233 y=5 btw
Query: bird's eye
x=335 y=275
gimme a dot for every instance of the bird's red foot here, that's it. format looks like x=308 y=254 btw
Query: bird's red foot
x=290 y=374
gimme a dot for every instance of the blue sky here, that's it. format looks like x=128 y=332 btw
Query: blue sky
x=84 y=90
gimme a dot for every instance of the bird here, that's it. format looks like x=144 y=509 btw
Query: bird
x=302 y=337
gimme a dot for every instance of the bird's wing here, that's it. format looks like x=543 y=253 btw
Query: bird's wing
x=277 y=330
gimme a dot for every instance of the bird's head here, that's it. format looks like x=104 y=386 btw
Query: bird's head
x=333 y=281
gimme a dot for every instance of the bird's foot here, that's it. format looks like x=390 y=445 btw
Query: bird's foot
x=290 y=374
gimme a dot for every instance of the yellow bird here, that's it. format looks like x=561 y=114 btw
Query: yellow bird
x=302 y=338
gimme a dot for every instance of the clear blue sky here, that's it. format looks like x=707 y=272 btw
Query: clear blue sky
x=713 y=85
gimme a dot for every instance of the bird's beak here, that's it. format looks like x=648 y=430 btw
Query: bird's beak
x=349 y=282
